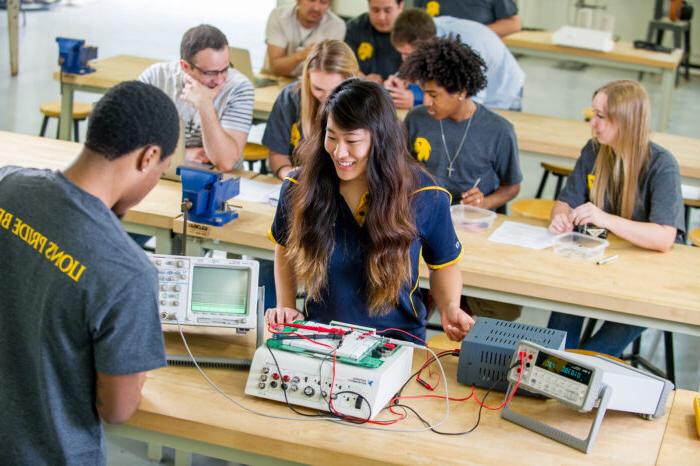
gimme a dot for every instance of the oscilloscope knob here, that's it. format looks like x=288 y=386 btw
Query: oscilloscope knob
x=179 y=263
x=177 y=287
x=309 y=391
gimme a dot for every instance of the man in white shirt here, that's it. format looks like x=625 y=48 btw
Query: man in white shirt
x=292 y=30
x=214 y=101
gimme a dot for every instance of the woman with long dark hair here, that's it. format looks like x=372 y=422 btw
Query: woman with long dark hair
x=354 y=222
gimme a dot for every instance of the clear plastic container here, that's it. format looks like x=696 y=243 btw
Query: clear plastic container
x=580 y=246
x=471 y=218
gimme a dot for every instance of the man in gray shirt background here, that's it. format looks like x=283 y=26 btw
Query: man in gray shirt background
x=79 y=322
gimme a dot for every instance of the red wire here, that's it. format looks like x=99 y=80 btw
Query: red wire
x=512 y=394
x=404 y=332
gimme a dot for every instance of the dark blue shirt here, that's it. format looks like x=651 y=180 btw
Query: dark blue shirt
x=345 y=296
x=283 y=128
x=482 y=11
x=373 y=49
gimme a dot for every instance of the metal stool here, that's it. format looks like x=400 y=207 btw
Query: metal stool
x=256 y=153
x=53 y=110
x=557 y=170
x=681 y=38
x=532 y=208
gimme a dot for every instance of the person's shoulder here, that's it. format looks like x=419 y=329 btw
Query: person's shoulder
x=159 y=73
x=426 y=188
x=8 y=170
x=238 y=81
x=331 y=17
x=358 y=24
x=282 y=12
x=416 y=114
x=290 y=94
x=493 y=118
x=661 y=158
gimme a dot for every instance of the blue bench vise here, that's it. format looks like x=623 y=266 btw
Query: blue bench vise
x=208 y=191
x=73 y=55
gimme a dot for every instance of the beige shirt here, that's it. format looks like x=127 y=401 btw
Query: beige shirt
x=284 y=30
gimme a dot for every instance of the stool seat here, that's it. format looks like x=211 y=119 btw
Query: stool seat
x=253 y=152
x=694 y=236
x=532 y=208
x=557 y=169
x=53 y=110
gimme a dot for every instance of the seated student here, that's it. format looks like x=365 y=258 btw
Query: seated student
x=292 y=30
x=505 y=78
x=369 y=36
x=499 y=15
x=215 y=102
x=79 y=322
x=294 y=113
x=626 y=184
x=470 y=151
x=351 y=226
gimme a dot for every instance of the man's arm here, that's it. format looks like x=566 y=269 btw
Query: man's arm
x=223 y=147
x=506 y=26
x=118 y=396
x=282 y=64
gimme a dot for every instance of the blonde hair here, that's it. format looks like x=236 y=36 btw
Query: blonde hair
x=617 y=171
x=329 y=56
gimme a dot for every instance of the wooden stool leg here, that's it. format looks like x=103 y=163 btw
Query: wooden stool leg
x=543 y=182
x=76 y=129
x=670 y=361
x=44 y=123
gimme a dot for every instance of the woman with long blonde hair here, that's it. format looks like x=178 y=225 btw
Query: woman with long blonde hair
x=354 y=222
x=626 y=184
x=294 y=113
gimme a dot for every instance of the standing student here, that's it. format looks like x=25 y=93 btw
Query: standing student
x=79 y=319
x=626 y=184
x=214 y=101
x=352 y=225
x=470 y=150
x=501 y=16
x=505 y=78
x=294 y=112
x=292 y=30
x=369 y=36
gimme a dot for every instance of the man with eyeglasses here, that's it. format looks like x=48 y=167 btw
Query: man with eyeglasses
x=215 y=101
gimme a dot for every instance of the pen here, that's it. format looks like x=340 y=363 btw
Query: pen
x=476 y=183
x=607 y=260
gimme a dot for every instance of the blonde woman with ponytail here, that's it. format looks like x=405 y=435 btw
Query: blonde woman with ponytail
x=626 y=184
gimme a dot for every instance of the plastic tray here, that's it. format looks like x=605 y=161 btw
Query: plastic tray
x=580 y=246
x=471 y=218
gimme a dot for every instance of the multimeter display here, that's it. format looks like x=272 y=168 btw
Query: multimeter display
x=564 y=368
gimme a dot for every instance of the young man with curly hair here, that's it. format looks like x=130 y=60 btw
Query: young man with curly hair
x=470 y=151
x=504 y=77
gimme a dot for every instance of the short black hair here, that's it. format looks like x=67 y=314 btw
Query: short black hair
x=412 y=25
x=200 y=38
x=447 y=61
x=132 y=115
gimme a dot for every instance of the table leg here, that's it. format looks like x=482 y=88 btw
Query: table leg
x=66 y=121
x=183 y=458
x=155 y=452
x=12 y=7
x=668 y=77
x=164 y=243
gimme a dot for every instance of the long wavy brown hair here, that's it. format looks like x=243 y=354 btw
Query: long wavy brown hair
x=391 y=177
x=617 y=174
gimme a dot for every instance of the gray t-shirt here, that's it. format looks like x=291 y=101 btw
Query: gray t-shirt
x=283 y=128
x=659 y=199
x=78 y=296
x=490 y=150
x=483 y=11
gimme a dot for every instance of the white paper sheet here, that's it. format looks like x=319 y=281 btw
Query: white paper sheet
x=521 y=234
x=256 y=191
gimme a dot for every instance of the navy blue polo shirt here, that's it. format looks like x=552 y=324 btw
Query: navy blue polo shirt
x=345 y=296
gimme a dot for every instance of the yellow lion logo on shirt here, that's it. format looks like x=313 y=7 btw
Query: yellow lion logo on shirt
x=590 y=179
x=365 y=51
x=294 y=135
x=432 y=8
x=422 y=148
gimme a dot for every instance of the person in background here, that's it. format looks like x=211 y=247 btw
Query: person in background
x=626 y=184
x=214 y=101
x=79 y=323
x=292 y=30
x=369 y=36
x=505 y=79
x=294 y=113
x=501 y=16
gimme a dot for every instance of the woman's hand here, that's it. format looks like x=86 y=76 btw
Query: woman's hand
x=590 y=213
x=282 y=315
x=561 y=223
x=456 y=323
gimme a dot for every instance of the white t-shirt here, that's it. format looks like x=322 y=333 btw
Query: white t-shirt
x=284 y=30
x=233 y=104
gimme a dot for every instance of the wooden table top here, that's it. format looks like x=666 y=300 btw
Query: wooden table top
x=177 y=401
x=110 y=71
x=623 y=52
x=681 y=443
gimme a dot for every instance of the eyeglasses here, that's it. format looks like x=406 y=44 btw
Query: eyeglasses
x=211 y=73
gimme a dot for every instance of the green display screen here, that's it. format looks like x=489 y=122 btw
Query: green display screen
x=218 y=290
x=564 y=368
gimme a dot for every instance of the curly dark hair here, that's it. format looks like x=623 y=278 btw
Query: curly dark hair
x=447 y=61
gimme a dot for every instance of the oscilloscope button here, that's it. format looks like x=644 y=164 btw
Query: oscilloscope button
x=177 y=287
x=180 y=263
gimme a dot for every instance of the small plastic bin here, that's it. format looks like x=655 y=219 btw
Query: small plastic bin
x=580 y=246
x=471 y=218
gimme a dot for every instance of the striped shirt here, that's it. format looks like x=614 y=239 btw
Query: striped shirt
x=233 y=104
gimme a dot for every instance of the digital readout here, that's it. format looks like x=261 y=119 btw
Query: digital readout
x=564 y=368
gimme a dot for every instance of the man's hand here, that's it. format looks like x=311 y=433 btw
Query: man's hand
x=196 y=154
x=374 y=77
x=197 y=93
x=473 y=197
x=398 y=90
x=456 y=323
